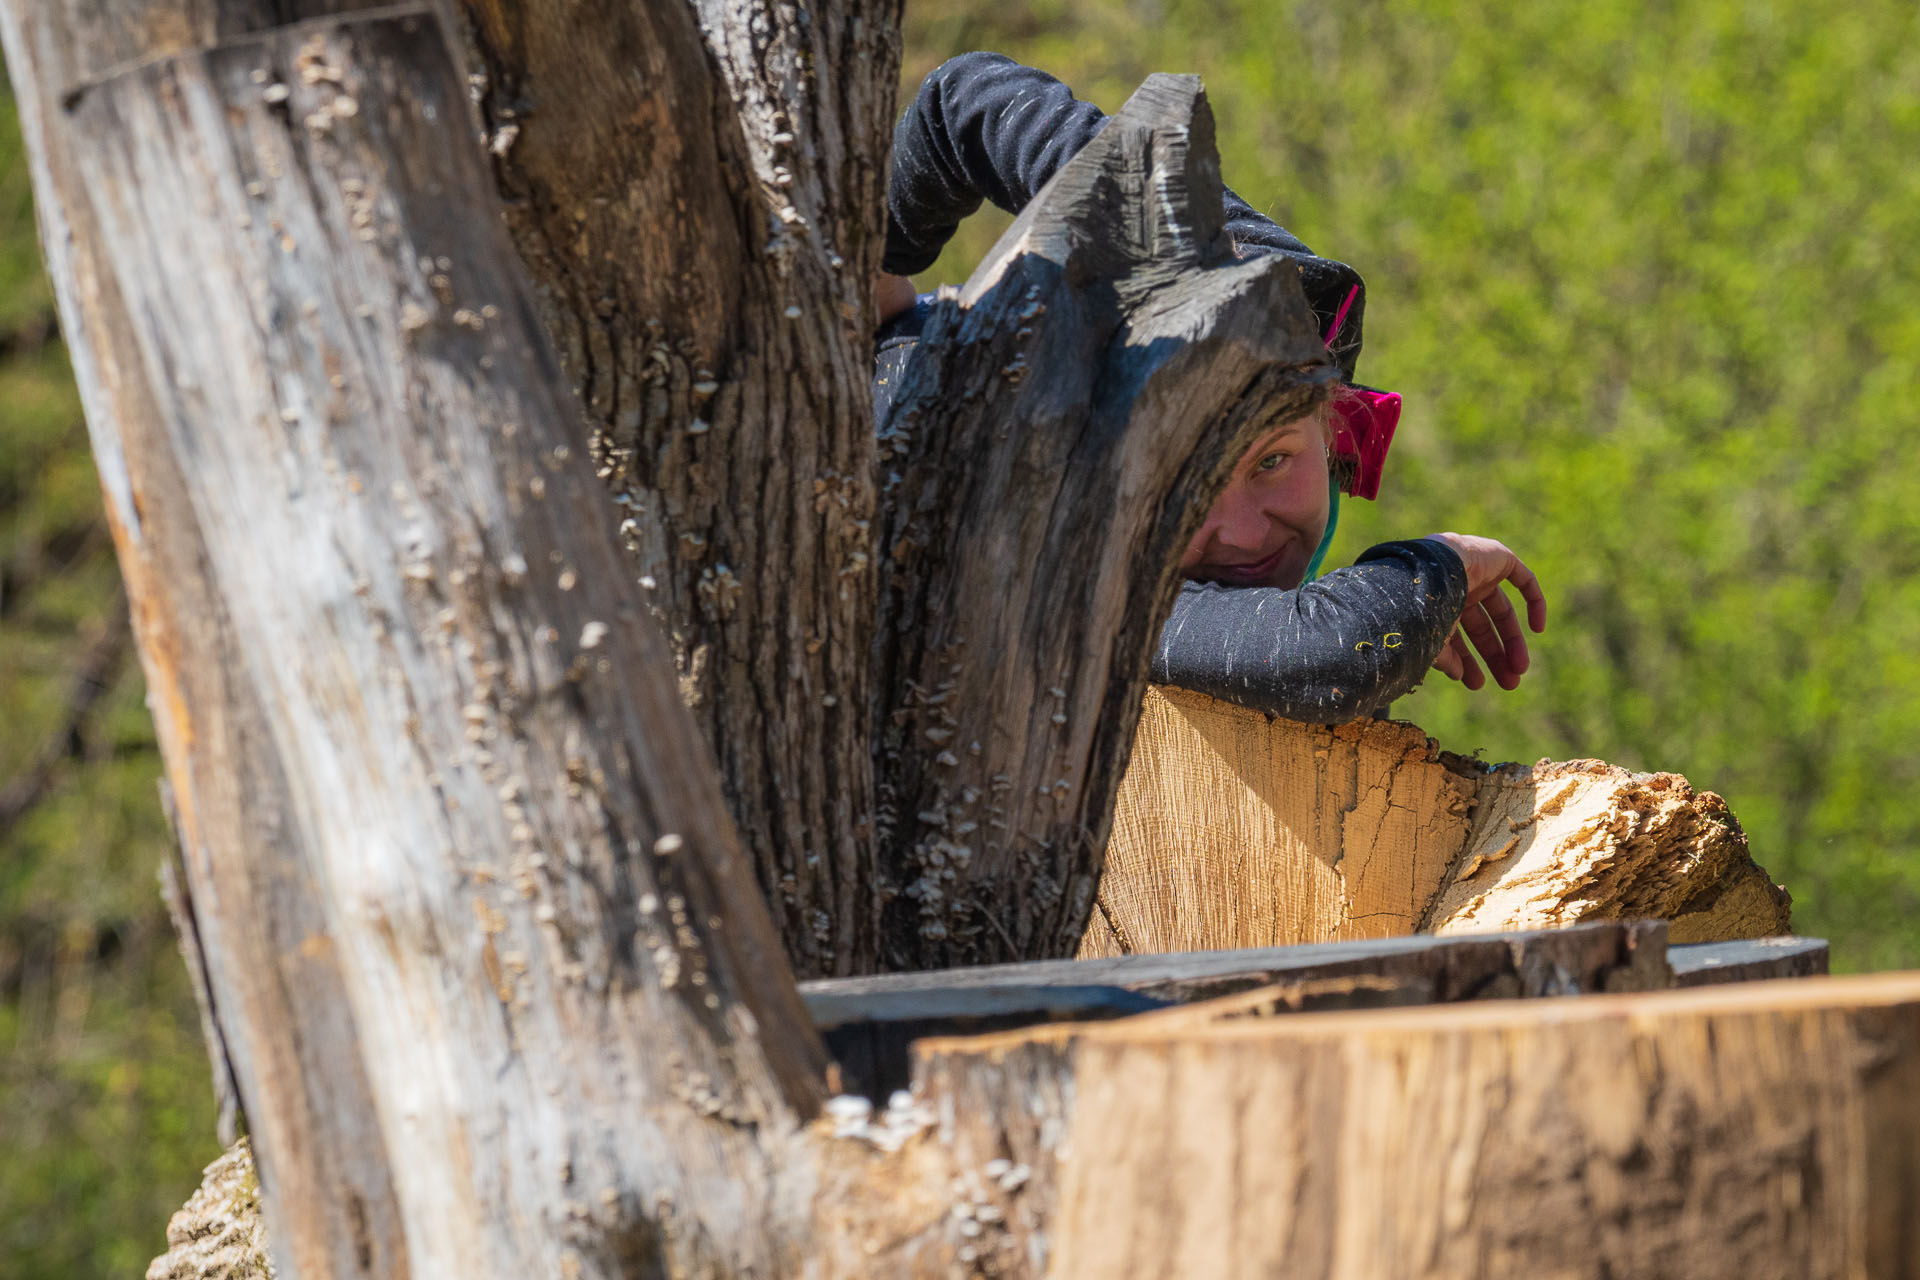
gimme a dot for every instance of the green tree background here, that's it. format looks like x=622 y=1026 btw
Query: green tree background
x=1642 y=273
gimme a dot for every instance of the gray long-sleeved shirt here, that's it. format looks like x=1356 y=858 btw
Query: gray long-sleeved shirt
x=1337 y=649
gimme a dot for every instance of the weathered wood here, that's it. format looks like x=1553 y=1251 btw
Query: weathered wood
x=871 y=1036
x=1583 y=955
x=500 y=993
x=984 y=1180
x=869 y=1024
x=1234 y=829
x=701 y=209
x=1753 y=1131
x=1065 y=422
x=1699 y=964
x=220 y=1233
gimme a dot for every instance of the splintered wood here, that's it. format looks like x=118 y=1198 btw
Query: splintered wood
x=219 y=1234
x=1234 y=829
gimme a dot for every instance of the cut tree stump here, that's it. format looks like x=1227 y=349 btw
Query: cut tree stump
x=1235 y=829
x=1748 y=1132
x=873 y=1024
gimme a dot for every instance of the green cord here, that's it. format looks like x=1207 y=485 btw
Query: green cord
x=1333 y=522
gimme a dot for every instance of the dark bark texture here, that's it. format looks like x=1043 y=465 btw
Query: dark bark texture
x=698 y=191
x=1065 y=422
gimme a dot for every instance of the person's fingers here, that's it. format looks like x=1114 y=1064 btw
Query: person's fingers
x=1522 y=577
x=1485 y=636
x=1499 y=610
x=1469 y=669
x=1448 y=663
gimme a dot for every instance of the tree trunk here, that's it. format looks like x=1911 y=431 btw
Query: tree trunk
x=1234 y=829
x=499 y=991
x=852 y=625
x=697 y=191
x=497 y=987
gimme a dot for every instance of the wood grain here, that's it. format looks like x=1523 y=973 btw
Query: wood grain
x=1236 y=829
x=1741 y=1132
x=498 y=989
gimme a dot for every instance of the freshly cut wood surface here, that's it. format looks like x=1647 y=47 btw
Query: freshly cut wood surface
x=1761 y=1130
x=1234 y=829
x=1562 y=842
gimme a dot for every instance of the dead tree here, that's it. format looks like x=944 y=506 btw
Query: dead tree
x=498 y=988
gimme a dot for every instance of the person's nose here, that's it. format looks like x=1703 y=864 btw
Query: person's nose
x=1242 y=525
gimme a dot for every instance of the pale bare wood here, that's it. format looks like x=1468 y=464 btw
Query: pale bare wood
x=499 y=992
x=1559 y=842
x=1236 y=829
x=1745 y=1132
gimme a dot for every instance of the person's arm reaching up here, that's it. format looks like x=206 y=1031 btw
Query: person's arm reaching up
x=985 y=127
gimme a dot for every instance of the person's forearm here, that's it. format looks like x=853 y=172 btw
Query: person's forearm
x=1332 y=651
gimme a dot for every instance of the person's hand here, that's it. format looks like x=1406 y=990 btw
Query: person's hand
x=891 y=295
x=1489 y=621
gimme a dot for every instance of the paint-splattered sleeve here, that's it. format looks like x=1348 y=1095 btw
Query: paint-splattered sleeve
x=1334 y=650
x=985 y=127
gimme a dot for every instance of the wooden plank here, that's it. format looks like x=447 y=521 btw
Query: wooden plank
x=869 y=1024
x=871 y=1035
x=1766 y=1129
x=1698 y=964
x=1234 y=829
x=1585 y=953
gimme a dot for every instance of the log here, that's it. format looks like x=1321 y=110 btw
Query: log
x=869 y=1024
x=1235 y=829
x=1741 y=1132
x=1699 y=964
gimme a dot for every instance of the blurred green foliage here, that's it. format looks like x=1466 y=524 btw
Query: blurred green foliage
x=1645 y=277
x=1639 y=271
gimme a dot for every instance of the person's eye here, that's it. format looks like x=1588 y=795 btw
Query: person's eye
x=1272 y=461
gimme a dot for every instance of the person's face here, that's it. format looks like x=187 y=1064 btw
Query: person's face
x=1267 y=523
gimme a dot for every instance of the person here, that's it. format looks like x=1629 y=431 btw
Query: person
x=1255 y=622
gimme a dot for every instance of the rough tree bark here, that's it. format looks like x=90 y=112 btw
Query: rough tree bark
x=498 y=990
x=697 y=191
x=1063 y=424
x=704 y=233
